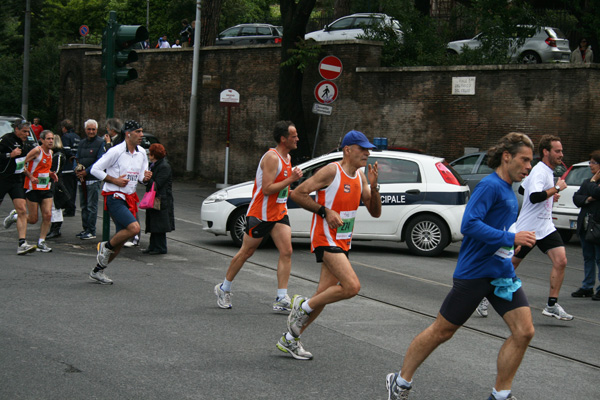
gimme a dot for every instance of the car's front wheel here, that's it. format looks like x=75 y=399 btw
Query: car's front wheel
x=237 y=225
x=427 y=235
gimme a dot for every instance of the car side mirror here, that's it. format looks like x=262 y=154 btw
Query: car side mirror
x=326 y=28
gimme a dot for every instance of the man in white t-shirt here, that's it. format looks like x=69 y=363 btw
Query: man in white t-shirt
x=540 y=192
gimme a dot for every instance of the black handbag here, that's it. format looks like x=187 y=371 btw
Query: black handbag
x=61 y=195
x=592 y=230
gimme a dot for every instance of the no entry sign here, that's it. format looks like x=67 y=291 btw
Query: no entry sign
x=330 y=67
x=326 y=92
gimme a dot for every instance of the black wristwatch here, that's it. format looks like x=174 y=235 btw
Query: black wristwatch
x=322 y=212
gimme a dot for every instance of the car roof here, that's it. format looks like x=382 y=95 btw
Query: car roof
x=252 y=24
x=385 y=153
x=581 y=164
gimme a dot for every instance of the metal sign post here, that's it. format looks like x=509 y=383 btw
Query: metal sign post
x=330 y=68
x=228 y=98
x=84 y=30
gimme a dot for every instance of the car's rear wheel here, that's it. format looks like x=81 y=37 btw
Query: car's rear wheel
x=529 y=57
x=427 y=235
x=237 y=225
x=565 y=235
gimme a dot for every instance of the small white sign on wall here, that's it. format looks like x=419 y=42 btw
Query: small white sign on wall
x=463 y=85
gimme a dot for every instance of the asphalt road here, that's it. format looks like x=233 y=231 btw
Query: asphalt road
x=158 y=334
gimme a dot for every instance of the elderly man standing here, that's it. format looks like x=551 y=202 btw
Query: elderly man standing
x=89 y=152
x=121 y=168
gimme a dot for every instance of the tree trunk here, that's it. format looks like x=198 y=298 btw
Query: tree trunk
x=294 y=17
x=341 y=8
x=209 y=19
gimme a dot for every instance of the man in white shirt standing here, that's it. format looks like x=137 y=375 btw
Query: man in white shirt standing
x=540 y=192
x=121 y=168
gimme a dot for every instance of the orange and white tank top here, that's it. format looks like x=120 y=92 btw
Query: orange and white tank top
x=272 y=207
x=343 y=196
x=40 y=168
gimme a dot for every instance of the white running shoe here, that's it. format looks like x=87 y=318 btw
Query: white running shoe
x=101 y=277
x=285 y=304
x=294 y=348
x=10 y=219
x=223 y=297
x=482 y=308
x=395 y=392
x=43 y=247
x=557 y=312
x=103 y=254
x=25 y=248
x=297 y=317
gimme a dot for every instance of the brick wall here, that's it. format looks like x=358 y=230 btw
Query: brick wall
x=412 y=107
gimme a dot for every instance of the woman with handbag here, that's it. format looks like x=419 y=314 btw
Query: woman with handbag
x=588 y=198
x=60 y=193
x=162 y=220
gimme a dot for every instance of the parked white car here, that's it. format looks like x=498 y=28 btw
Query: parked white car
x=351 y=26
x=423 y=202
x=547 y=45
x=564 y=211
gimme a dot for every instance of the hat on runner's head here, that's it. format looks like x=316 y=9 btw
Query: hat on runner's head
x=356 y=137
x=131 y=125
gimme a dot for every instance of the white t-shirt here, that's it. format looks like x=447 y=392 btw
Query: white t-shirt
x=117 y=162
x=537 y=217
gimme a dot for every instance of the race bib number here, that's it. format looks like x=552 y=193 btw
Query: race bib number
x=43 y=181
x=132 y=177
x=507 y=252
x=20 y=161
x=283 y=195
x=344 y=232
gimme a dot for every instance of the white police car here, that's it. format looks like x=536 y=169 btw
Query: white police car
x=423 y=202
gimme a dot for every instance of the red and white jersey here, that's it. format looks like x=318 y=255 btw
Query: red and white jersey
x=39 y=167
x=342 y=196
x=272 y=207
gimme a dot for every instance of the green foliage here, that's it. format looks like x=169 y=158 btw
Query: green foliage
x=44 y=82
x=307 y=52
x=246 y=11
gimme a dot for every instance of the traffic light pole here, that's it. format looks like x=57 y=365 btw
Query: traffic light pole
x=117 y=52
x=110 y=97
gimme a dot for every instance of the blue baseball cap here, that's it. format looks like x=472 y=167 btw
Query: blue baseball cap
x=356 y=137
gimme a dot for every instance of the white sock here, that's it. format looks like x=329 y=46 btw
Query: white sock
x=501 y=395
x=400 y=381
x=15 y=217
x=226 y=286
x=40 y=240
x=288 y=336
x=306 y=307
x=281 y=293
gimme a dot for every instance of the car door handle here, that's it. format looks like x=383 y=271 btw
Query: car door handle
x=413 y=191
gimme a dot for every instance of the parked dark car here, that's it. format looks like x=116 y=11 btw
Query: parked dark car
x=148 y=140
x=249 y=34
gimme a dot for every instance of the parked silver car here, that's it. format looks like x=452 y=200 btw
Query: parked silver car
x=546 y=45
x=351 y=26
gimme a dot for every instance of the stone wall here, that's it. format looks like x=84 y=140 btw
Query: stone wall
x=412 y=107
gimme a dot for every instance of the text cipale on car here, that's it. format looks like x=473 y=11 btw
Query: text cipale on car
x=423 y=202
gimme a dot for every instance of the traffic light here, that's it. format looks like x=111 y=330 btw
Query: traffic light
x=117 y=42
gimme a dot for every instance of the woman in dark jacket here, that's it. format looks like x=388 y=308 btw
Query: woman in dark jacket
x=159 y=222
x=588 y=198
